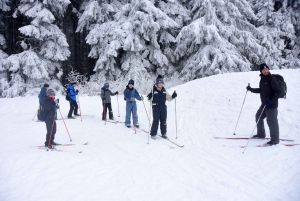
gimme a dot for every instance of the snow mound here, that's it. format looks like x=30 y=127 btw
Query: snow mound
x=119 y=165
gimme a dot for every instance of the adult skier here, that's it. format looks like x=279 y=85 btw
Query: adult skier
x=159 y=96
x=130 y=94
x=42 y=96
x=50 y=107
x=72 y=99
x=269 y=91
x=106 y=101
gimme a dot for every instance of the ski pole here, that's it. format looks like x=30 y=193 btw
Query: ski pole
x=147 y=113
x=36 y=113
x=175 y=116
x=65 y=125
x=254 y=128
x=241 y=110
x=79 y=107
x=150 y=121
x=104 y=108
x=118 y=104
x=51 y=133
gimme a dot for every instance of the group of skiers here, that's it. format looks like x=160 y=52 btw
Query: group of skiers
x=268 y=89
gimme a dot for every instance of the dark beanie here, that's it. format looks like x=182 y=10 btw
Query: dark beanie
x=46 y=85
x=131 y=82
x=263 y=66
x=159 y=79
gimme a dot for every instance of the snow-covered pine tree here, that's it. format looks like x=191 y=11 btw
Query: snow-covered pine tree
x=275 y=22
x=181 y=15
x=127 y=47
x=44 y=47
x=220 y=39
x=293 y=11
x=97 y=18
x=3 y=73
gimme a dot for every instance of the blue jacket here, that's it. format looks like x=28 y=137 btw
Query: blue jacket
x=71 y=92
x=42 y=95
x=129 y=93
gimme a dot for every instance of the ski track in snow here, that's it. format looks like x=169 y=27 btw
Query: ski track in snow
x=119 y=165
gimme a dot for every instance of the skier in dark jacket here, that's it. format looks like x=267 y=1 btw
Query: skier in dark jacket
x=42 y=96
x=43 y=93
x=106 y=101
x=50 y=107
x=269 y=91
x=72 y=99
x=159 y=96
x=130 y=94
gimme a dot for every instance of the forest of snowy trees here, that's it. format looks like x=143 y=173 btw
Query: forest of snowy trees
x=98 y=41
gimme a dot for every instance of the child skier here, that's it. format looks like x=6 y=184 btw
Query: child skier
x=130 y=94
x=159 y=96
x=72 y=99
x=50 y=107
x=106 y=101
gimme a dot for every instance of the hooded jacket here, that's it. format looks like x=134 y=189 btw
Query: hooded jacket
x=71 y=92
x=105 y=95
x=268 y=89
x=42 y=95
x=131 y=93
x=49 y=108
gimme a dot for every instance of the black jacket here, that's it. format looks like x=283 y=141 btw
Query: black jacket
x=268 y=88
x=50 y=109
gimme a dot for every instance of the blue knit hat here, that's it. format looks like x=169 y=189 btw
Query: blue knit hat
x=106 y=85
x=159 y=79
x=131 y=82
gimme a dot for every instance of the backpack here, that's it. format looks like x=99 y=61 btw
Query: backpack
x=67 y=94
x=41 y=114
x=282 y=85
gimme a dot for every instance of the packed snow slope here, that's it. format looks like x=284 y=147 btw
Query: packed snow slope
x=119 y=165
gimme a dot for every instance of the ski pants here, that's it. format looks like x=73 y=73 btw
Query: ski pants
x=105 y=107
x=272 y=121
x=159 y=115
x=50 y=131
x=131 y=108
x=73 y=107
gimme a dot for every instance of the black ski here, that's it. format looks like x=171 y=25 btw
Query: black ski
x=178 y=145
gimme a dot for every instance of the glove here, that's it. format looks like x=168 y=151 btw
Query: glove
x=142 y=98
x=132 y=99
x=249 y=88
x=149 y=96
x=77 y=91
x=174 y=95
x=268 y=102
x=57 y=106
x=117 y=92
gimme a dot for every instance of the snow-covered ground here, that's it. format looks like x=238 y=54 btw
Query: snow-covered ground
x=119 y=165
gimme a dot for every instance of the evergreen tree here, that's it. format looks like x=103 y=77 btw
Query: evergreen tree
x=3 y=73
x=127 y=43
x=44 y=47
x=276 y=22
x=220 y=39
